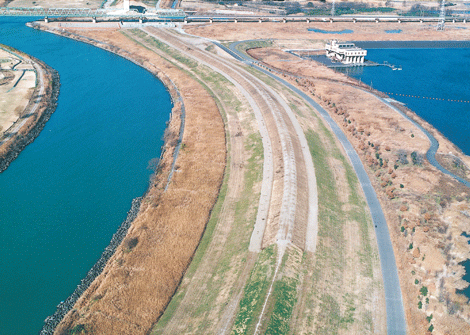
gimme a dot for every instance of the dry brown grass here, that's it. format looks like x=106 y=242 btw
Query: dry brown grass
x=137 y=283
x=426 y=206
x=295 y=34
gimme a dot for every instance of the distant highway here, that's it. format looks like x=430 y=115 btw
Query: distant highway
x=177 y=15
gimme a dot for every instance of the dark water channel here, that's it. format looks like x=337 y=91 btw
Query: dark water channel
x=66 y=194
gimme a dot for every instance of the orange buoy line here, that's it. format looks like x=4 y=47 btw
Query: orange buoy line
x=430 y=98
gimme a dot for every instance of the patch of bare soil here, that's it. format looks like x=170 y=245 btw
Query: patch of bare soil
x=139 y=280
x=426 y=210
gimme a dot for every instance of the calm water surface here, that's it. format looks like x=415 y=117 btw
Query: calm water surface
x=67 y=193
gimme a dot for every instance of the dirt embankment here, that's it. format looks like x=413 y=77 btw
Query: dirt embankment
x=34 y=117
x=426 y=210
x=142 y=275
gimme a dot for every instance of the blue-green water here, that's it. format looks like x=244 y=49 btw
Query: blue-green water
x=67 y=192
x=434 y=73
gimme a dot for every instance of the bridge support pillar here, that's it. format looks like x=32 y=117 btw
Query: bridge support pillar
x=376 y=20
x=464 y=20
x=453 y=20
x=46 y=20
x=185 y=21
x=260 y=20
x=399 y=21
x=308 y=20
x=140 y=20
x=355 y=20
x=94 y=20
x=236 y=20
x=211 y=20
x=331 y=20
x=284 y=20
x=421 y=21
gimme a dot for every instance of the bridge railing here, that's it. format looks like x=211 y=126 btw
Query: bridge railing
x=37 y=11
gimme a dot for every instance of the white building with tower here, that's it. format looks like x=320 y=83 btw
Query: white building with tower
x=345 y=52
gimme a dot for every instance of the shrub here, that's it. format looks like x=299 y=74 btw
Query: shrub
x=132 y=243
x=424 y=291
x=429 y=318
x=431 y=328
x=411 y=246
x=416 y=281
x=402 y=186
x=420 y=305
x=416 y=158
x=402 y=229
x=402 y=156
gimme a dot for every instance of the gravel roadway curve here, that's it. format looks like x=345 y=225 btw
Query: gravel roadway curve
x=396 y=323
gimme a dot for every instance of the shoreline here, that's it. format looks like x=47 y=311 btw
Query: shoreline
x=52 y=321
x=28 y=132
x=418 y=212
x=333 y=115
x=161 y=192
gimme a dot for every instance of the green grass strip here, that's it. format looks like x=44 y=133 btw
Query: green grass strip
x=255 y=292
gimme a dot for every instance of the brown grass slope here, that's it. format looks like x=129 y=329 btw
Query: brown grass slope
x=138 y=281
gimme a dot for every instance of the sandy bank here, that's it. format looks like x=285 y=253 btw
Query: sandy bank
x=42 y=103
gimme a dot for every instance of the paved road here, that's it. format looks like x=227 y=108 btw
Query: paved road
x=396 y=323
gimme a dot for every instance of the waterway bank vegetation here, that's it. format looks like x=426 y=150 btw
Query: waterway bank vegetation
x=227 y=288
x=29 y=89
x=163 y=237
x=426 y=211
x=224 y=274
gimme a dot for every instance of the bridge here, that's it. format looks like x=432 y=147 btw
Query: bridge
x=177 y=15
x=172 y=14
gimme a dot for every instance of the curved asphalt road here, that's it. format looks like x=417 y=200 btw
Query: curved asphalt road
x=396 y=323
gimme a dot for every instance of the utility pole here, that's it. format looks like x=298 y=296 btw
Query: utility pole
x=442 y=16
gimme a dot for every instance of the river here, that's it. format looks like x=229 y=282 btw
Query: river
x=67 y=192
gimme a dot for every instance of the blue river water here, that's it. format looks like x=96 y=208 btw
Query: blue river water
x=66 y=194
